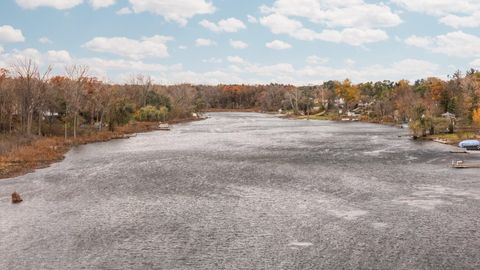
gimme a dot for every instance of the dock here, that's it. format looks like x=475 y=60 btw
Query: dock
x=460 y=151
x=462 y=165
x=164 y=127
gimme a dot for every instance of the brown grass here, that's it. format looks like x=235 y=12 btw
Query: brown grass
x=454 y=138
x=234 y=110
x=39 y=153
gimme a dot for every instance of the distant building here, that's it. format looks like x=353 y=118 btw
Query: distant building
x=448 y=115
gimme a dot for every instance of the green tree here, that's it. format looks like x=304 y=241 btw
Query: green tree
x=150 y=113
x=120 y=113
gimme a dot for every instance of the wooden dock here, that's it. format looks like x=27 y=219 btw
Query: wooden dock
x=459 y=151
x=462 y=165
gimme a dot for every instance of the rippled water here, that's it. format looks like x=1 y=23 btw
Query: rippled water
x=247 y=191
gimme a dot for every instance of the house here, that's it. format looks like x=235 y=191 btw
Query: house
x=448 y=115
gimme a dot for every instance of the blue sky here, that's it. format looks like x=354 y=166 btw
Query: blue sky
x=231 y=41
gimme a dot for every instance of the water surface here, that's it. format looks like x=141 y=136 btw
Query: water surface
x=247 y=191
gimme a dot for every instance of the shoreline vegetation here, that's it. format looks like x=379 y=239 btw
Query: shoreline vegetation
x=444 y=138
x=42 y=116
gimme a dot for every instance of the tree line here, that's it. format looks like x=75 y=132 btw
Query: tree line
x=33 y=102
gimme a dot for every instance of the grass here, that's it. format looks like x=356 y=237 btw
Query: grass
x=38 y=153
x=454 y=138
x=317 y=117
x=11 y=141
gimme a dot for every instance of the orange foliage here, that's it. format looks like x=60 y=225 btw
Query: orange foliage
x=58 y=80
x=233 y=88
x=476 y=117
x=436 y=87
x=347 y=91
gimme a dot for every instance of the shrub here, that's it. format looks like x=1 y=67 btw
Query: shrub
x=151 y=113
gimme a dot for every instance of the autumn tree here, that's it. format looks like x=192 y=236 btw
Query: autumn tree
x=7 y=107
x=77 y=79
x=476 y=117
x=293 y=96
x=404 y=97
x=182 y=97
x=30 y=87
x=348 y=92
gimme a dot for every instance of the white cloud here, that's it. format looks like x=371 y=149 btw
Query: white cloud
x=316 y=60
x=276 y=70
x=337 y=13
x=98 y=67
x=462 y=21
x=454 y=13
x=240 y=70
x=96 y=4
x=457 y=44
x=410 y=69
x=350 y=62
x=173 y=10
x=475 y=63
x=278 y=45
x=45 y=40
x=229 y=25
x=213 y=60
x=439 y=7
x=272 y=72
x=238 y=44
x=15 y=56
x=121 y=64
x=421 y=42
x=281 y=24
x=57 y=4
x=252 y=19
x=124 y=11
x=154 y=46
x=210 y=77
x=8 y=34
x=353 y=36
x=236 y=60
x=182 y=47
x=204 y=42
x=59 y=57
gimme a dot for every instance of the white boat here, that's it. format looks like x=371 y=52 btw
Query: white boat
x=163 y=126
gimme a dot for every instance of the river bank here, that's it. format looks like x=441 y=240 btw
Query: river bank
x=444 y=138
x=41 y=152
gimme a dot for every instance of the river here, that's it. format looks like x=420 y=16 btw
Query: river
x=247 y=191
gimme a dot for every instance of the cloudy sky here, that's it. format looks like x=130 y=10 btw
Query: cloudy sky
x=250 y=41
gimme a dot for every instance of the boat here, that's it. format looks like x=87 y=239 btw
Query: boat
x=163 y=126
x=470 y=144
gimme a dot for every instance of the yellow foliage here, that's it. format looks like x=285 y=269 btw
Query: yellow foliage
x=347 y=91
x=476 y=117
x=436 y=87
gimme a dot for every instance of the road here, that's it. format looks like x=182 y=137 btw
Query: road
x=247 y=191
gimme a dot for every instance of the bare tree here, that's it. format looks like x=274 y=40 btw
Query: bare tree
x=31 y=87
x=145 y=84
x=293 y=96
x=77 y=75
x=6 y=101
